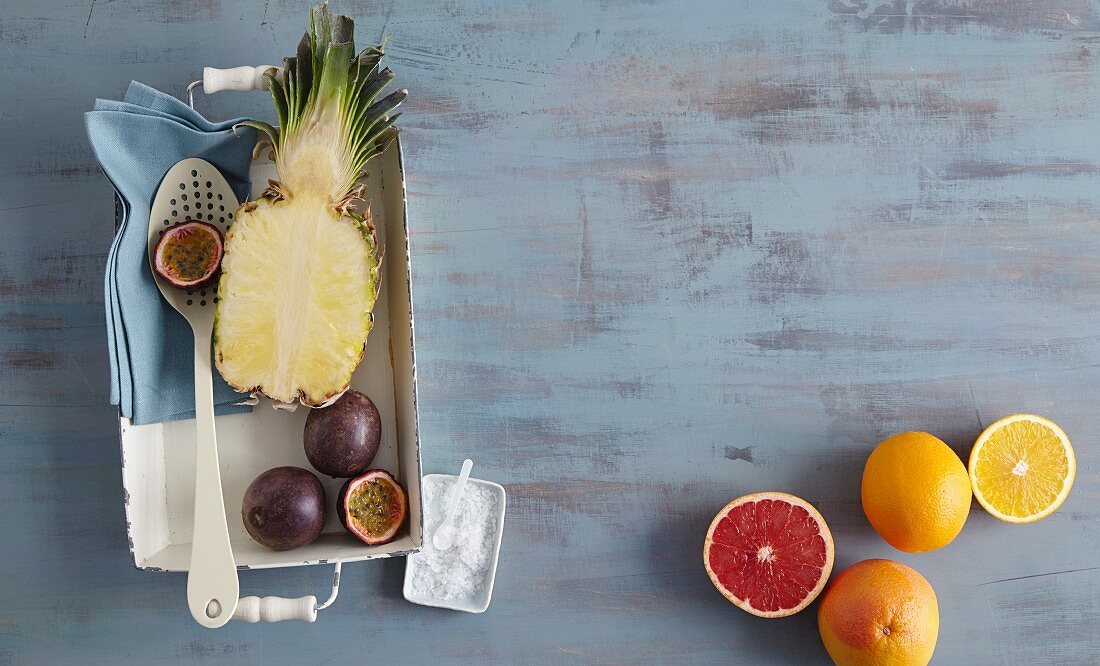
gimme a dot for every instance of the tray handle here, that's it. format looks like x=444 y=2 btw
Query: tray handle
x=243 y=78
x=277 y=609
x=237 y=78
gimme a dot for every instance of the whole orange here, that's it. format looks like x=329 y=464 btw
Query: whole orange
x=881 y=613
x=916 y=492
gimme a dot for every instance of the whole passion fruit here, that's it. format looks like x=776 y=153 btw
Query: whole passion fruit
x=342 y=439
x=372 y=506
x=284 y=508
x=189 y=254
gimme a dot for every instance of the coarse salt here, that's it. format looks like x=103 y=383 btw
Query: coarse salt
x=462 y=571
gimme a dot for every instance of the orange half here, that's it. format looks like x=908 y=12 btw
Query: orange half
x=1022 y=468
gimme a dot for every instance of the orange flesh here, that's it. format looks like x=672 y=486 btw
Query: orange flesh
x=1021 y=469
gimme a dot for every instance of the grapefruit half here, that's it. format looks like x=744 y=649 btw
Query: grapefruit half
x=769 y=553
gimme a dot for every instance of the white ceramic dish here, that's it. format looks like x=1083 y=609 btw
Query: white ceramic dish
x=480 y=602
x=159 y=459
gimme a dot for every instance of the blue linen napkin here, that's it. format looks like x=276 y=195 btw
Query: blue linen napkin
x=150 y=344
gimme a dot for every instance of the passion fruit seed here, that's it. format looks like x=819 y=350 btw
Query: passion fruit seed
x=371 y=505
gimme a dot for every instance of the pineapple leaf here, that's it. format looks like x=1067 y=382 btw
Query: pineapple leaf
x=374 y=85
x=271 y=132
x=278 y=93
x=386 y=137
x=335 y=71
x=369 y=58
x=343 y=29
x=380 y=110
x=320 y=31
x=304 y=63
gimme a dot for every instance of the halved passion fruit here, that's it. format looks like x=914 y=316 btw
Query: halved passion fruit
x=189 y=254
x=372 y=506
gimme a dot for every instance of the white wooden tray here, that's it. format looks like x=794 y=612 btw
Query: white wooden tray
x=158 y=460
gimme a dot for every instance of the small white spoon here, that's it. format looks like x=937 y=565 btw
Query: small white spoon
x=444 y=536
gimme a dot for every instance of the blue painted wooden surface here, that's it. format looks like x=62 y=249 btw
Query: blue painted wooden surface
x=666 y=254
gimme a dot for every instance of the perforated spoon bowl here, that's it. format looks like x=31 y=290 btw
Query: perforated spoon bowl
x=194 y=189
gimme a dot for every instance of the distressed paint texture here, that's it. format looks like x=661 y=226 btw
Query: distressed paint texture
x=665 y=254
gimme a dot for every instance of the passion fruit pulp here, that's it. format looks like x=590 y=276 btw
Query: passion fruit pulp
x=372 y=506
x=189 y=254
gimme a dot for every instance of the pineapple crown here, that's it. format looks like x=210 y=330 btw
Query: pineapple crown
x=331 y=122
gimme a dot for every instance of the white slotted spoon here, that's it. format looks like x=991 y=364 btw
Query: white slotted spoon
x=194 y=189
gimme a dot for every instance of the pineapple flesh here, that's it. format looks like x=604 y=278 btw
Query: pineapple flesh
x=302 y=267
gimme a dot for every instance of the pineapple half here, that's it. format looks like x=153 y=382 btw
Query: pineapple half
x=302 y=267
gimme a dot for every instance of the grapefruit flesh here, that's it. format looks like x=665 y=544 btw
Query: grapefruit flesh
x=770 y=553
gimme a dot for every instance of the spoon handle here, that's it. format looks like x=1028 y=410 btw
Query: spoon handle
x=212 y=585
x=444 y=533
